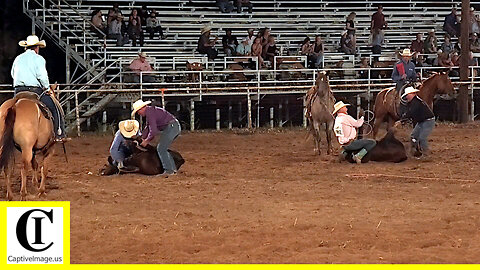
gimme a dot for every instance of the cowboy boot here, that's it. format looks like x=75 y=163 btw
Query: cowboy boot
x=358 y=157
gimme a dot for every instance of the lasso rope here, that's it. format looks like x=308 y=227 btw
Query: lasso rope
x=366 y=175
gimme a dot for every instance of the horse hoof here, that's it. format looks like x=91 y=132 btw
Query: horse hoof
x=41 y=194
x=9 y=196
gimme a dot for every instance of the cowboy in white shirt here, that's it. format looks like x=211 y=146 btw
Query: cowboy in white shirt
x=30 y=74
x=345 y=129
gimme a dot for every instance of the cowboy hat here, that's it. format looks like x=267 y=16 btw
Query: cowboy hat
x=205 y=29
x=32 y=41
x=138 y=105
x=129 y=128
x=338 y=106
x=142 y=54
x=406 y=52
x=409 y=90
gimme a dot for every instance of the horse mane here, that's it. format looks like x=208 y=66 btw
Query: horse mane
x=326 y=92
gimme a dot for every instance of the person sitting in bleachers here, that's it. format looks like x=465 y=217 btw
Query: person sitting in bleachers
x=442 y=60
x=307 y=50
x=474 y=25
x=99 y=25
x=245 y=3
x=229 y=43
x=224 y=5
x=430 y=43
x=257 y=50
x=270 y=50
x=144 y=14
x=244 y=49
x=451 y=24
x=447 y=46
x=113 y=14
x=378 y=20
x=346 y=45
x=318 y=51
x=251 y=37
x=117 y=30
x=140 y=64
x=205 y=45
x=264 y=34
x=134 y=29
x=154 y=26
x=474 y=43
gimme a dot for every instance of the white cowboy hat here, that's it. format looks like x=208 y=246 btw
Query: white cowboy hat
x=138 y=105
x=406 y=52
x=205 y=29
x=142 y=54
x=129 y=128
x=338 y=106
x=409 y=90
x=32 y=41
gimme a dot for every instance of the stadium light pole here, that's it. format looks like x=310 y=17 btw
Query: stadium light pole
x=464 y=62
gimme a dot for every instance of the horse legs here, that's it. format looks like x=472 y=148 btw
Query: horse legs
x=27 y=161
x=317 y=137
x=391 y=122
x=35 y=171
x=8 y=170
x=328 y=131
x=43 y=170
x=376 y=125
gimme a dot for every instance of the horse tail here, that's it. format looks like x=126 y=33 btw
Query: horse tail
x=7 y=144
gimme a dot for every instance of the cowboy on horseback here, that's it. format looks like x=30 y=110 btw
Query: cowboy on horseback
x=30 y=75
x=345 y=130
x=404 y=71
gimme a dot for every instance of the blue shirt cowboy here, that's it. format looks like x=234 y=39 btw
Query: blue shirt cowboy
x=404 y=70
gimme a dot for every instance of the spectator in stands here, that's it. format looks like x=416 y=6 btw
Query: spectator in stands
x=270 y=50
x=350 y=27
x=244 y=49
x=224 y=5
x=474 y=43
x=141 y=64
x=404 y=70
x=154 y=26
x=113 y=14
x=135 y=28
x=447 y=46
x=229 y=43
x=377 y=42
x=346 y=45
x=251 y=37
x=307 y=50
x=144 y=14
x=443 y=60
x=245 y=3
x=98 y=25
x=378 y=20
x=417 y=46
x=257 y=50
x=363 y=74
x=318 y=51
x=430 y=43
x=205 y=45
x=117 y=30
x=451 y=24
x=264 y=34
x=474 y=25
x=455 y=59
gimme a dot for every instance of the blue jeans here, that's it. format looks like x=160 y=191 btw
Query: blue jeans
x=360 y=144
x=225 y=7
x=167 y=136
x=420 y=134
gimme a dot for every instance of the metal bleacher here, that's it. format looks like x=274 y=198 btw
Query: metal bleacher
x=99 y=63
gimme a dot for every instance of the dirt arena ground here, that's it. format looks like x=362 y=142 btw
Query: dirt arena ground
x=266 y=198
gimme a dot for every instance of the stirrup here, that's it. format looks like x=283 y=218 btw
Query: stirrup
x=63 y=140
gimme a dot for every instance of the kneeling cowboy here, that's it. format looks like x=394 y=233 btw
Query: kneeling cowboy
x=159 y=121
x=345 y=130
x=30 y=74
x=423 y=119
x=119 y=150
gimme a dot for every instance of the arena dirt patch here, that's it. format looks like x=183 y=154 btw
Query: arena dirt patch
x=266 y=198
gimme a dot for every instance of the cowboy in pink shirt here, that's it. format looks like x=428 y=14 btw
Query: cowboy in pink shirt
x=345 y=129
x=141 y=64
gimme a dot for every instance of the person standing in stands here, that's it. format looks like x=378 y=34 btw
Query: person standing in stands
x=451 y=24
x=378 y=20
x=350 y=27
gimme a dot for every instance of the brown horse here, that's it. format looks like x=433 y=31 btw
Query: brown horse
x=24 y=126
x=319 y=103
x=386 y=103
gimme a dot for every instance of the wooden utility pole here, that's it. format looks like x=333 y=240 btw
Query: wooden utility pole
x=464 y=62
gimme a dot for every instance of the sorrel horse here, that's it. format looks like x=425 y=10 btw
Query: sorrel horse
x=387 y=101
x=24 y=126
x=319 y=102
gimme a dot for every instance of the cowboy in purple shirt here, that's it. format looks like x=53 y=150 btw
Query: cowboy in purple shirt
x=159 y=121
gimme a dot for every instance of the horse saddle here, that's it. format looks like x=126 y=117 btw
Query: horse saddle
x=36 y=98
x=401 y=103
